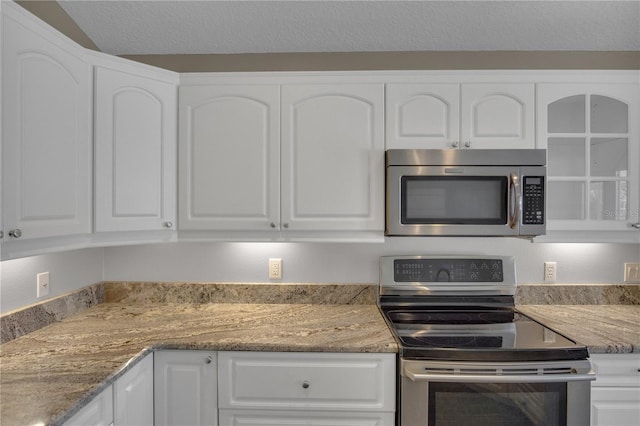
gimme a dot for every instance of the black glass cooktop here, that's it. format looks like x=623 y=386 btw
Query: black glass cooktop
x=477 y=334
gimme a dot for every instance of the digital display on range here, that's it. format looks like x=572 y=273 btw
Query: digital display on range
x=448 y=270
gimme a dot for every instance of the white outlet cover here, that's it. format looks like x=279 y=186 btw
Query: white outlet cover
x=43 y=285
x=632 y=273
x=275 y=268
x=550 y=271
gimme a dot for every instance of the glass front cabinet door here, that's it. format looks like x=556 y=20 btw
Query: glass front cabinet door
x=591 y=133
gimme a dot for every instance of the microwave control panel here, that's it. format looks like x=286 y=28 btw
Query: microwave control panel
x=533 y=200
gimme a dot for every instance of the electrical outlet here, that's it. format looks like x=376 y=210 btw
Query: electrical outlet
x=42 y=281
x=550 y=272
x=632 y=273
x=275 y=269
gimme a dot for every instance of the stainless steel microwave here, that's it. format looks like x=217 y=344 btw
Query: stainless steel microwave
x=465 y=192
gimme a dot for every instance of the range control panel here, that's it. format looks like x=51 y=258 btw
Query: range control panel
x=533 y=200
x=447 y=270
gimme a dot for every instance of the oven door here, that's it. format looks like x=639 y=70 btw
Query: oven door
x=542 y=394
x=460 y=200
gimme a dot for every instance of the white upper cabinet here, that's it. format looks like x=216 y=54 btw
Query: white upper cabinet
x=473 y=115
x=229 y=153
x=333 y=157
x=135 y=151
x=250 y=161
x=46 y=131
x=592 y=136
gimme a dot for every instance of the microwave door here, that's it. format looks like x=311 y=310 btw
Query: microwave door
x=436 y=200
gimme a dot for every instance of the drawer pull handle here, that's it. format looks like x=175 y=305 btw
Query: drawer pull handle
x=305 y=385
x=208 y=360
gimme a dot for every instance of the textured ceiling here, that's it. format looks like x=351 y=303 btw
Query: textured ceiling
x=203 y=27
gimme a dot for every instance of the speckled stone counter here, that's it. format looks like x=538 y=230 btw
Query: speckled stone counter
x=47 y=375
x=602 y=328
x=578 y=294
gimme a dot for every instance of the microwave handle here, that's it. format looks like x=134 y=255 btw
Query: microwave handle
x=514 y=200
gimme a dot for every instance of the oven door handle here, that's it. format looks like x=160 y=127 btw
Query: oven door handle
x=491 y=378
x=514 y=200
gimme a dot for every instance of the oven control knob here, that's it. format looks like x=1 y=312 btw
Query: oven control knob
x=474 y=276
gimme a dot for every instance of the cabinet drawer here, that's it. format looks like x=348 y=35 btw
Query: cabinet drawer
x=308 y=418
x=616 y=369
x=295 y=380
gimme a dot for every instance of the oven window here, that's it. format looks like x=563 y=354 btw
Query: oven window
x=491 y=404
x=465 y=200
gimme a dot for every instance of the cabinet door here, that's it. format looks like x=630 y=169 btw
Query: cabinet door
x=46 y=132
x=135 y=132
x=98 y=412
x=615 y=394
x=422 y=116
x=185 y=388
x=333 y=157
x=497 y=116
x=308 y=418
x=592 y=137
x=229 y=158
x=133 y=395
x=615 y=406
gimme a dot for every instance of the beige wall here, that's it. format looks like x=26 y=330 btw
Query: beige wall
x=395 y=61
x=52 y=13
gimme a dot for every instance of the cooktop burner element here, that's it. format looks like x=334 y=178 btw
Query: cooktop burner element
x=469 y=317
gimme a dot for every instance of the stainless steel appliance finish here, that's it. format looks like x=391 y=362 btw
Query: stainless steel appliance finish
x=455 y=192
x=466 y=353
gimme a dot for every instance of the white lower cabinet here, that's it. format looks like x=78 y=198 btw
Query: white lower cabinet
x=128 y=402
x=292 y=388
x=615 y=394
x=133 y=395
x=306 y=418
x=185 y=388
x=99 y=412
x=205 y=388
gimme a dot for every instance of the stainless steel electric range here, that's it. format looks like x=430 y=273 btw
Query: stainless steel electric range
x=467 y=356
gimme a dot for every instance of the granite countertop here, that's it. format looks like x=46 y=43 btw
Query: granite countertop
x=97 y=333
x=601 y=328
x=55 y=370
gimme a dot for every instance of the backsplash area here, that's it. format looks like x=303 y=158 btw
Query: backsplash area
x=23 y=321
x=31 y=318
x=336 y=263
x=578 y=294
